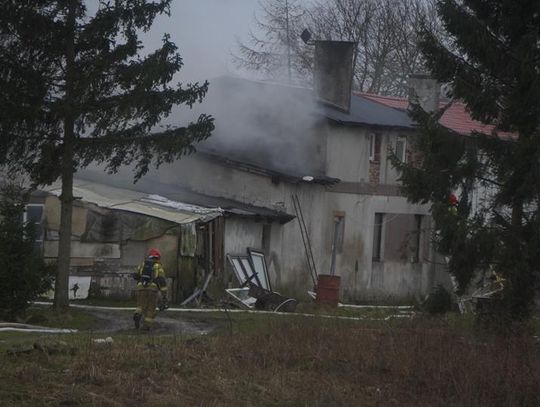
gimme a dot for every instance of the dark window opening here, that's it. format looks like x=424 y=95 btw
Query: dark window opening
x=266 y=236
x=401 y=149
x=374 y=147
x=377 y=236
x=417 y=238
x=33 y=214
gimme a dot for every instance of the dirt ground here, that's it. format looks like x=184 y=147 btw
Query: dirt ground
x=166 y=323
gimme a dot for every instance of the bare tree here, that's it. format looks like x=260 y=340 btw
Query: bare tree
x=345 y=20
x=276 y=49
x=385 y=31
x=386 y=34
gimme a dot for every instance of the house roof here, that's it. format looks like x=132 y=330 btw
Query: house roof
x=455 y=118
x=110 y=197
x=274 y=126
x=286 y=175
x=366 y=111
x=165 y=201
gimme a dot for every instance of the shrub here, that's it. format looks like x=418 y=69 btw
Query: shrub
x=439 y=301
x=23 y=273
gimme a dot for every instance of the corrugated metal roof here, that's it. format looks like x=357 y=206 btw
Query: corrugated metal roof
x=171 y=195
x=110 y=197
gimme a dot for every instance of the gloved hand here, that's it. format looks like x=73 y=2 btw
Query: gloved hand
x=136 y=276
x=164 y=304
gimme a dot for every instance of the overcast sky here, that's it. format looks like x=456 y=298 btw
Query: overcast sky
x=205 y=31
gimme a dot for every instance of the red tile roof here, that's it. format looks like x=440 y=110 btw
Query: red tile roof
x=455 y=118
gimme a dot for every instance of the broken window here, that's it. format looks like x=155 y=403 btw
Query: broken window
x=400 y=239
x=240 y=271
x=251 y=269
x=259 y=267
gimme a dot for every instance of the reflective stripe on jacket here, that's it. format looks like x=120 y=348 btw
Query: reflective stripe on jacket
x=159 y=277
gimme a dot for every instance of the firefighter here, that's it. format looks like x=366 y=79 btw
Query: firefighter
x=151 y=285
x=453 y=204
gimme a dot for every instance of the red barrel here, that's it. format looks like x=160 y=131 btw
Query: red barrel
x=328 y=289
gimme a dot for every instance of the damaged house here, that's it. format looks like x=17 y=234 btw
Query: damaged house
x=308 y=184
x=114 y=227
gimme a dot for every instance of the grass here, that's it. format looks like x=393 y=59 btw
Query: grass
x=106 y=302
x=283 y=361
x=44 y=315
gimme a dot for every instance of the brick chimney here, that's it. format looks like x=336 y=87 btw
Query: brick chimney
x=333 y=72
x=424 y=90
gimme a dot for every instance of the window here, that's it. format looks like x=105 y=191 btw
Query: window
x=400 y=239
x=337 y=239
x=374 y=147
x=33 y=214
x=401 y=149
x=339 y=230
x=378 y=236
x=417 y=239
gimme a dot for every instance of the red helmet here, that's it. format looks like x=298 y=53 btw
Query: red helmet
x=154 y=253
x=452 y=199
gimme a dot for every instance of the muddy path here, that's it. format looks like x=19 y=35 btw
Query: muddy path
x=166 y=323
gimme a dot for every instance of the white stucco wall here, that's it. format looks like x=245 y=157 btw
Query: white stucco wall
x=200 y=174
x=348 y=158
x=241 y=234
x=361 y=278
x=348 y=154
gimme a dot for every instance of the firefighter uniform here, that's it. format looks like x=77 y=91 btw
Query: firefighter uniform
x=149 y=289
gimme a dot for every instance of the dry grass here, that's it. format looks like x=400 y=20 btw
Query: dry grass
x=286 y=363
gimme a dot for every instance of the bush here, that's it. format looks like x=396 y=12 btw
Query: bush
x=439 y=301
x=23 y=273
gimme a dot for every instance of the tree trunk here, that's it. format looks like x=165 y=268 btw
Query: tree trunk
x=61 y=286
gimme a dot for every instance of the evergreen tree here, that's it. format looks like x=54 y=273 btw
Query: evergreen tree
x=23 y=273
x=494 y=67
x=74 y=89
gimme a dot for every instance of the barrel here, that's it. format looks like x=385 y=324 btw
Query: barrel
x=328 y=289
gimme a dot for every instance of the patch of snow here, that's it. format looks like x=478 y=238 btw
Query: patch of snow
x=180 y=206
x=103 y=340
